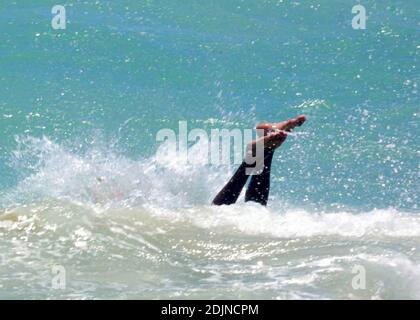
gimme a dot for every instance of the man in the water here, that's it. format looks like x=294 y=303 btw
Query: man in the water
x=259 y=187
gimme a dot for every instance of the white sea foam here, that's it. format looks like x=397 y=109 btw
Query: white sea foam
x=126 y=228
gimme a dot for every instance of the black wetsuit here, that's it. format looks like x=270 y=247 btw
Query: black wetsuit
x=258 y=189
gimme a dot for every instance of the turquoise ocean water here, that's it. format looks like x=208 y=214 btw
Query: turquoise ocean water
x=87 y=102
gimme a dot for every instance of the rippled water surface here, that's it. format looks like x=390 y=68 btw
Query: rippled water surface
x=85 y=187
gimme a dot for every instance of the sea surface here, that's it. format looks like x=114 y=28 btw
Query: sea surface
x=92 y=206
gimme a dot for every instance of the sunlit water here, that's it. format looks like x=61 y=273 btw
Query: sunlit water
x=85 y=186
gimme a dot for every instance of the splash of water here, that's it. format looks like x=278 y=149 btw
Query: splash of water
x=143 y=229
